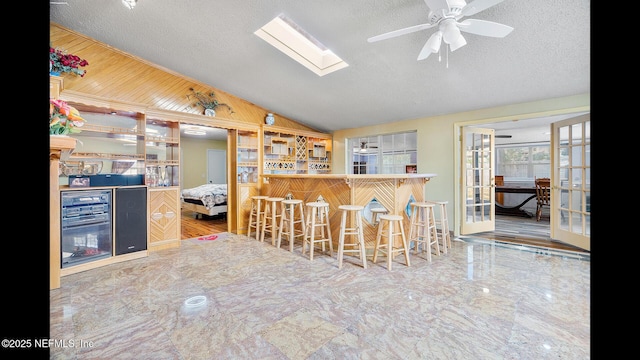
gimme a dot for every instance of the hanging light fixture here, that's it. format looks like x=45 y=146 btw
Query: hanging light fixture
x=130 y=3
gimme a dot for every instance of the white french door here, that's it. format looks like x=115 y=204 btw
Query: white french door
x=478 y=180
x=571 y=181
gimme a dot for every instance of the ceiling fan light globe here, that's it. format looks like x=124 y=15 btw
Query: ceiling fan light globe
x=458 y=43
x=450 y=31
x=434 y=42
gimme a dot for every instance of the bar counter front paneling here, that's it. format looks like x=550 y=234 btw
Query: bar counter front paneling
x=394 y=192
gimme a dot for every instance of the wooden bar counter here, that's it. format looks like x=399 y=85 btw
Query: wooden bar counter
x=394 y=192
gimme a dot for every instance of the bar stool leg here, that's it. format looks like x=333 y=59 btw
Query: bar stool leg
x=343 y=225
x=252 y=213
x=285 y=216
x=274 y=226
x=389 y=244
x=302 y=225
x=255 y=217
x=265 y=216
x=404 y=244
x=328 y=229
x=363 y=251
x=445 y=227
x=321 y=219
x=292 y=223
x=377 y=244
x=311 y=228
x=433 y=231
x=413 y=230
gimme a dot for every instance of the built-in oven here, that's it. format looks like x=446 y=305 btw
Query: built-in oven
x=86 y=226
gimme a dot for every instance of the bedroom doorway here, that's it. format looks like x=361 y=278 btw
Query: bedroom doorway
x=204 y=160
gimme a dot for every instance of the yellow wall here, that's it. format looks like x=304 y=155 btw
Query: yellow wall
x=194 y=170
x=439 y=143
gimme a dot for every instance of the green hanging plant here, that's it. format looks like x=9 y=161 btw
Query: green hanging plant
x=206 y=100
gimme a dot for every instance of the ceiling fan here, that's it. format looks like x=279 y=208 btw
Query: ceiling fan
x=444 y=14
x=364 y=146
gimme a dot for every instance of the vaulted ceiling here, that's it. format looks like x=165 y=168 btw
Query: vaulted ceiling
x=547 y=55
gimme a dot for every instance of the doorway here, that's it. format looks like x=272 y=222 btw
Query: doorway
x=526 y=134
x=204 y=161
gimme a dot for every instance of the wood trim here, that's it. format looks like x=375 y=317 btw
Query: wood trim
x=58 y=145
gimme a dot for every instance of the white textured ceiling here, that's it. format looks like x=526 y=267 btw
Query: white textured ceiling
x=547 y=55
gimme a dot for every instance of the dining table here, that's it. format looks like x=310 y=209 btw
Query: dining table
x=515 y=210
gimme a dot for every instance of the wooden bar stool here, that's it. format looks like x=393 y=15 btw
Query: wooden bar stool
x=386 y=229
x=442 y=224
x=271 y=218
x=288 y=221
x=423 y=228
x=355 y=230
x=375 y=213
x=256 y=215
x=317 y=217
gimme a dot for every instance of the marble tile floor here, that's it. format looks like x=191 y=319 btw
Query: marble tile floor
x=482 y=300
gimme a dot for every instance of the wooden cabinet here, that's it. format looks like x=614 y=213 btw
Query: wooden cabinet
x=319 y=158
x=247 y=170
x=162 y=175
x=164 y=218
x=126 y=139
x=288 y=151
x=247 y=165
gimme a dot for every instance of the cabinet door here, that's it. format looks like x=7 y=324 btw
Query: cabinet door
x=245 y=192
x=162 y=148
x=164 y=218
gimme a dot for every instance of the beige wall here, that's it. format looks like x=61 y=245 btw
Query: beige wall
x=438 y=141
x=193 y=162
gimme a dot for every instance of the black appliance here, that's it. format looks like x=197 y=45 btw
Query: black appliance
x=130 y=219
x=115 y=180
x=85 y=226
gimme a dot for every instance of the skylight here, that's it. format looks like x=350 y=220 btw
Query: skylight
x=286 y=36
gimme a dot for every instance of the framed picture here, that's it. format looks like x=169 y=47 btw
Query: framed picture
x=411 y=169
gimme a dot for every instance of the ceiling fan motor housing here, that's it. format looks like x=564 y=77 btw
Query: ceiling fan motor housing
x=452 y=11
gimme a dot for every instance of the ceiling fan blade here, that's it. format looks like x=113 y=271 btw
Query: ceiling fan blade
x=435 y=5
x=476 y=6
x=432 y=45
x=399 y=32
x=484 y=28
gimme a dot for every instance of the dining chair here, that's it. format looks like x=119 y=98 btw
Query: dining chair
x=499 y=182
x=543 y=195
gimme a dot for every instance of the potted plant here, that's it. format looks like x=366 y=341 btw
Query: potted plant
x=63 y=118
x=208 y=101
x=60 y=62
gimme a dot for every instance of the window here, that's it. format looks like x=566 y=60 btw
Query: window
x=383 y=154
x=523 y=162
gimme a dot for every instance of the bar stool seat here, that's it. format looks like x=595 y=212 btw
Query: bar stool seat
x=256 y=215
x=271 y=218
x=355 y=229
x=288 y=221
x=317 y=217
x=387 y=229
x=423 y=228
x=375 y=212
x=442 y=223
